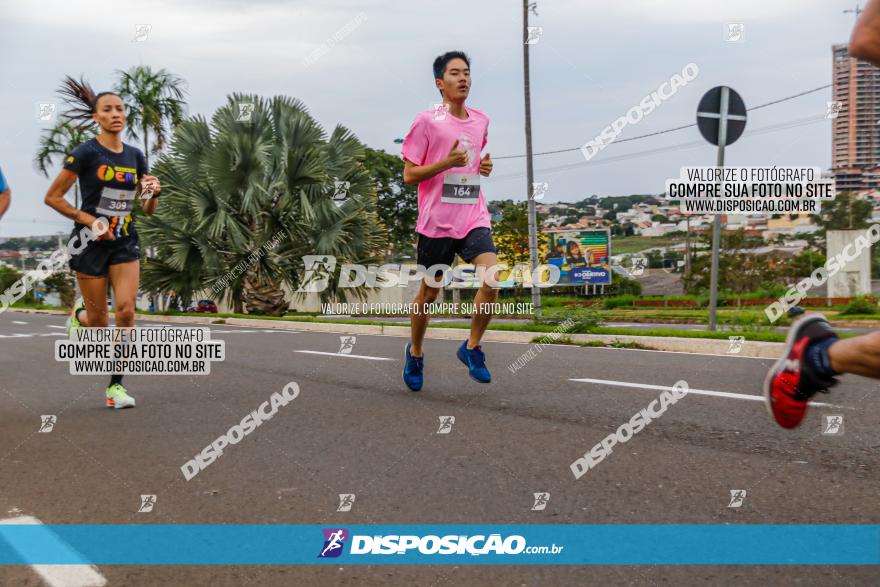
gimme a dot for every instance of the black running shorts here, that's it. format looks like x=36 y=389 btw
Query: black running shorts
x=99 y=255
x=442 y=251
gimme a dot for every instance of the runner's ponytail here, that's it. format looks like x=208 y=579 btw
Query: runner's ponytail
x=82 y=99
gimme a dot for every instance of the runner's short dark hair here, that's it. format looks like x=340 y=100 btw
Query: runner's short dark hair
x=441 y=62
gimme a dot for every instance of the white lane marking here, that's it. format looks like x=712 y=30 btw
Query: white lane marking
x=30 y=334
x=18 y=322
x=58 y=327
x=349 y=356
x=59 y=575
x=565 y=346
x=709 y=392
x=232 y=331
x=561 y=346
x=610 y=348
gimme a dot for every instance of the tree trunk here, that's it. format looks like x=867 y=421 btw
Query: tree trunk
x=146 y=148
x=266 y=298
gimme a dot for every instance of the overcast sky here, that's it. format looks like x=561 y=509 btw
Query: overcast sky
x=595 y=60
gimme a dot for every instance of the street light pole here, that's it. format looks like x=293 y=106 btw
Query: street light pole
x=530 y=175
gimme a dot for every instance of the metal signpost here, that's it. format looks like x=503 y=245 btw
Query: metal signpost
x=721 y=118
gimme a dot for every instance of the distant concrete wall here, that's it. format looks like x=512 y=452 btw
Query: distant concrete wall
x=311 y=302
x=854 y=277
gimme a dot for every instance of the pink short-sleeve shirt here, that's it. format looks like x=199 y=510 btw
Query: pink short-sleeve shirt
x=429 y=140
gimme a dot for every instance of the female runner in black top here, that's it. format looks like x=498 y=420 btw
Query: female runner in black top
x=112 y=176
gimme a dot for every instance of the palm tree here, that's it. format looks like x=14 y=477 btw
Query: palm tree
x=58 y=142
x=154 y=104
x=229 y=185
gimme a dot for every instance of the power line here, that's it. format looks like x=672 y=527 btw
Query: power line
x=789 y=97
x=668 y=130
x=657 y=150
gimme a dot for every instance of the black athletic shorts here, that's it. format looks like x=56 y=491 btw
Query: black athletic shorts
x=442 y=251
x=99 y=255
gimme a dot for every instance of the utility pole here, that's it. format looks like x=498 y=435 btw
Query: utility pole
x=530 y=174
x=687 y=248
x=857 y=11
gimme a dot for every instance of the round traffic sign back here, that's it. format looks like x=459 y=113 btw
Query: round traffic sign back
x=710 y=115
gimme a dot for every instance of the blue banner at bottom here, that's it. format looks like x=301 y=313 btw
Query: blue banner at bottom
x=522 y=544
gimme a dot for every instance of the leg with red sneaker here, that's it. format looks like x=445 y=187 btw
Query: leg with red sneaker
x=813 y=357
x=814 y=354
x=804 y=369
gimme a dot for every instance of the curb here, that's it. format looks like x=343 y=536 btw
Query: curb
x=706 y=346
x=32 y=311
x=701 y=346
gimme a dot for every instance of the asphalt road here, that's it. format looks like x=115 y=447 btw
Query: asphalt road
x=355 y=429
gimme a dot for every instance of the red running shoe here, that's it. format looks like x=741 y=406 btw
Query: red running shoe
x=791 y=382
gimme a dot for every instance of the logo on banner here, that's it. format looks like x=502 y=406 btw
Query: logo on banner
x=334 y=542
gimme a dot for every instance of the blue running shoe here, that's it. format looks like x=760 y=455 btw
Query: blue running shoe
x=475 y=361
x=412 y=370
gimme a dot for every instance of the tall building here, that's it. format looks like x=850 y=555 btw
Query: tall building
x=855 y=140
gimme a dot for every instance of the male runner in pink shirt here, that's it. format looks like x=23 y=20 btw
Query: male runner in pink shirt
x=442 y=155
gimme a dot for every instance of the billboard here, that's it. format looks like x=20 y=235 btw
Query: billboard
x=583 y=256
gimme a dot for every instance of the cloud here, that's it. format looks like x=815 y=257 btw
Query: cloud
x=595 y=60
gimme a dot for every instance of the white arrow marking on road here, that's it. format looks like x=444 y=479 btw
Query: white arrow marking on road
x=349 y=356
x=709 y=392
x=59 y=575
